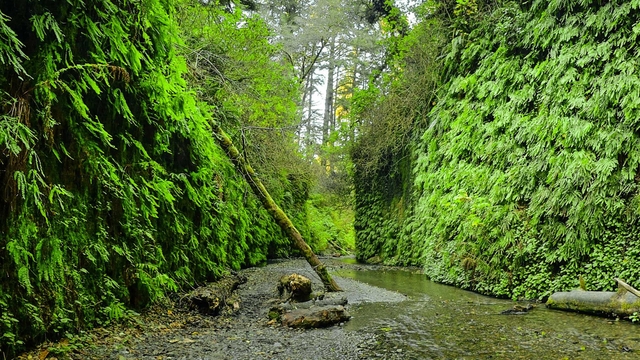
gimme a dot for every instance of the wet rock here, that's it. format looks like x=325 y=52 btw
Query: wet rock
x=315 y=317
x=518 y=310
x=295 y=287
x=374 y=260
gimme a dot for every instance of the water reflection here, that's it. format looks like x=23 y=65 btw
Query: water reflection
x=440 y=321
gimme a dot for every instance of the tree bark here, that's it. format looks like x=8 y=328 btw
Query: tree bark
x=278 y=215
x=309 y=136
x=329 y=113
x=215 y=297
x=316 y=317
x=624 y=302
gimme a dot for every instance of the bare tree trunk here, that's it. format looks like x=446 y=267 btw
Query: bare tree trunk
x=278 y=215
x=328 y=103
x=303 y=136
x=309 y=139
x=624 y=302
x=307 y=85
x=354 y=84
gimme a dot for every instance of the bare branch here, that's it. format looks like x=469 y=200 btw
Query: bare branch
x=323 y=42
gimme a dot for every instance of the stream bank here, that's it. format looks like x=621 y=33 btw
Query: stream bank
x=397 y=314
x=173 y=332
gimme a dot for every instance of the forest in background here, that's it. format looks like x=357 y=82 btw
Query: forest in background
x=493 y=143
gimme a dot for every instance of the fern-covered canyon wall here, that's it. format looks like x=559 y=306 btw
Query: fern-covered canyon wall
x=114 y=191
x=525 y=165
x=496 y=144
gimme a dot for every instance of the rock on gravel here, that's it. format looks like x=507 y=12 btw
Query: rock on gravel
x=179 y=333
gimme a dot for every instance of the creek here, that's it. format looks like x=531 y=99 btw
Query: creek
x=443 y=322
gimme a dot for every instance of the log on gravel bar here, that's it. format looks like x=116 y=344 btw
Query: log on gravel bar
x=214 y=297
x=315 y=317
x=623 y=303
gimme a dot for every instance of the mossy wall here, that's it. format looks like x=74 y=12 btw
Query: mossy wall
x=383 y=207
x=527 y=175
x=114 y=190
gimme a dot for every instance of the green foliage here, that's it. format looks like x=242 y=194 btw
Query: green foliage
x=390 y=112
x=330 y=225
x=382 y=207
x=525 y=178
x=114 y=190
x=11 y=53
x=390 y=115
x=527 y=173
x=231 y=67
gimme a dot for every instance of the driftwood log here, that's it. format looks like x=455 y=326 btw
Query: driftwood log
x=282 y=308
x=287 y=306
x=315 y=313
x=315 y=317
x=624 y=302
x=213 y=298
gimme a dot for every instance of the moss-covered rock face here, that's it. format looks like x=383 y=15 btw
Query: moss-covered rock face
x=382 y=206
x=113 y=188
x=526 y=177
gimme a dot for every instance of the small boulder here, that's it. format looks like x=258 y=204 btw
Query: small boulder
x=295 y=287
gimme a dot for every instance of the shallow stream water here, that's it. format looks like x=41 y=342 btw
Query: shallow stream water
x=444 y=322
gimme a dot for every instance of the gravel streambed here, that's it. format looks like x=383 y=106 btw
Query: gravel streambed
x=171 y=332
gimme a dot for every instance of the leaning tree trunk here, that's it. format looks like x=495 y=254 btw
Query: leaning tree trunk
x=278 y=215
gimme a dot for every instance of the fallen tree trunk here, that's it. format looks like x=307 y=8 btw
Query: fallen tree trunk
x=315 y=317
x=623 y=303
x=287 y=306
x=213 y=298
x=278 y=215
x=336 y=246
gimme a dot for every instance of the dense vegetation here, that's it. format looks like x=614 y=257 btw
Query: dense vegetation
x=494 y=143
x=114 y=190
x=525 y=171
x=390 y=115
